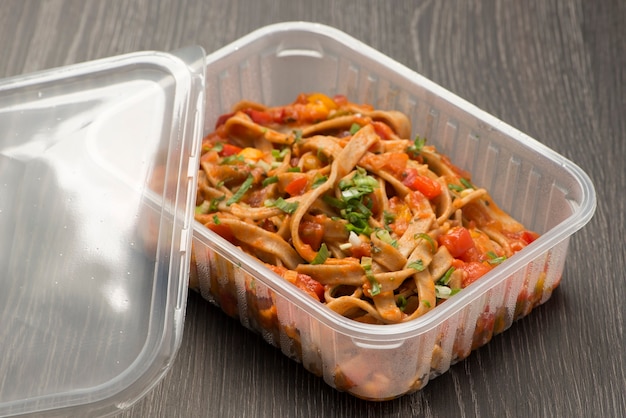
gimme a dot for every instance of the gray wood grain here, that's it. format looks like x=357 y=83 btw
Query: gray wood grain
x=555 y=70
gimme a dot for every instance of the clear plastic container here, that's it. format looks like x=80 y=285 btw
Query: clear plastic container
x=543 y=190
x=97 y=189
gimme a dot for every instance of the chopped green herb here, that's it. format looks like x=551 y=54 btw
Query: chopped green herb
x=269 y=180
x=388 y=218
x=465 y=182
x=297 y=133
x=264 y=165
x=417 y=265
x=386 y=237
x=218 y=147
x=241 y=191
x=287 y=207
x=319 y=181
x=321 y=255
x=445 y=279
x=442 y=292
x=455 y=187
x=294 y=170
x=401 y=302
x=375 y=286
x=416 y=147
x=219 y=184
x=235 y=158
x=203 y=208
x=215 y=202
x=354 y=128
x=494 y=259
x=366 y=264
x=353 y=204
x=426 y=303
x=427 y=238
x=334 y=202
x=216 y=220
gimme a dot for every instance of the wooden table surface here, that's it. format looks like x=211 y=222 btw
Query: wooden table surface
x=553 y=69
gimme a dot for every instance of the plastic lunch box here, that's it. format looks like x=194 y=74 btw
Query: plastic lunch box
x=97 y=234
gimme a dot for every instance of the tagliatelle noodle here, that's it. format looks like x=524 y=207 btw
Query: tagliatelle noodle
x=378 y=226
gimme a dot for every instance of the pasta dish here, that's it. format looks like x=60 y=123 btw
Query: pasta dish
x=338 y=199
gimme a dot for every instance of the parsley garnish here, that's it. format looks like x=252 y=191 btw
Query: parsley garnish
x=205 y=207
x=215 y=202
x=279 y=155
x=354 y=128
x=428 y=239
x=236 y=158
x=445 y=279
x=269 y=180
x=218 y=147
x=366 y=263
x=319 y=181
x=494 y=259
x=416 y=147
x=321 y=255
x=401 y=302
x=386 y=237
x=465 y=182
x=241 y=191
x=287 y=207
x=353 y=205
x=455 y=187
x=417 y=265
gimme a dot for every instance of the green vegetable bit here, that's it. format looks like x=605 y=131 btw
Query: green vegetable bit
x=322 y=255
x=445 y=279
x=417 y=265
x=241 y=191
x=494 y=259
x=287 y=207
x=416 y=147
x=270 y=180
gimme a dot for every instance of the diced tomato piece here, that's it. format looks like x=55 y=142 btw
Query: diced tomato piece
x=340 y=99
x=361 y=250
x=473 y=271
x=415 y=181
x=229 y=149
x=458 y=241
x=311 y=233
x=297 y=186
x=392 y=162
x=222 y=230
x=383 y=130
x=259 y=116
x=222 y=119
x=311 y=286
x=529 y=236
x=522 y=239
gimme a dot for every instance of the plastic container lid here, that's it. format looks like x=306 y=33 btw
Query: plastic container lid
x=97 y=190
